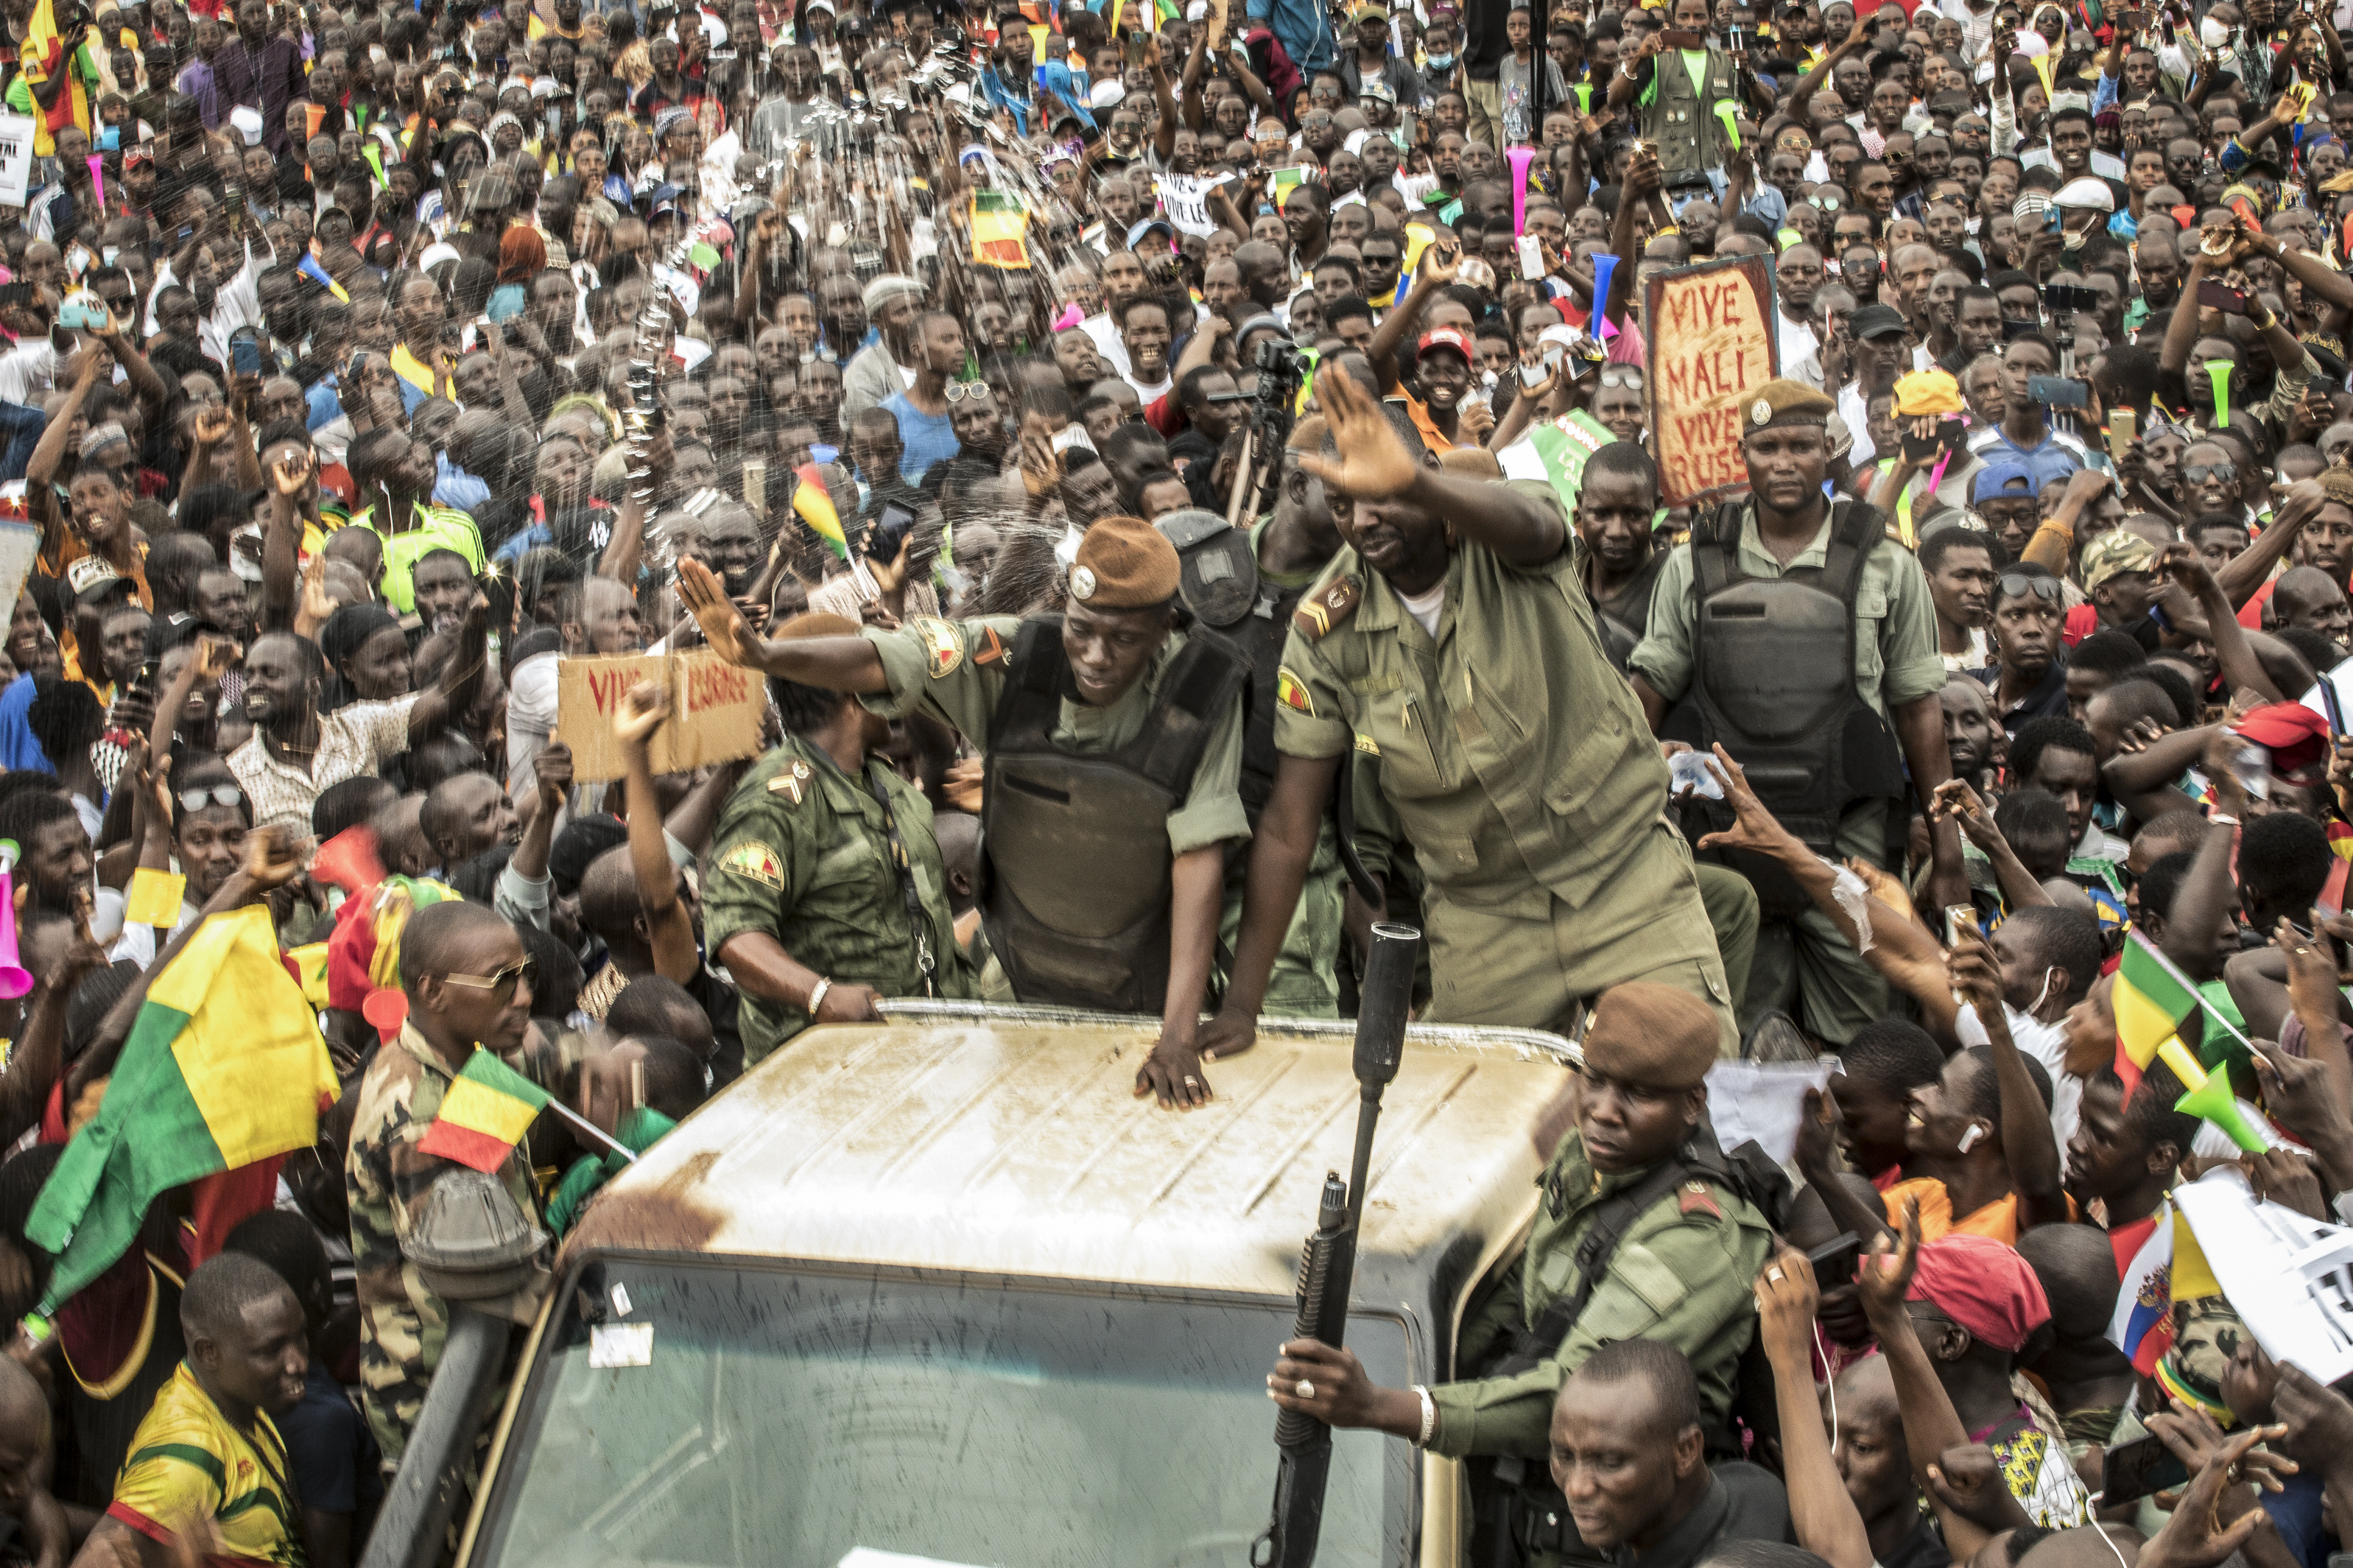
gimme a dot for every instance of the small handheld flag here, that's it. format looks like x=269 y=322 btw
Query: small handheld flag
x=815 y=505
x=488 y=1108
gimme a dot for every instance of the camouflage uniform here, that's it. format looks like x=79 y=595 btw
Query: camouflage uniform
x=802 y=854
x=403 y=1324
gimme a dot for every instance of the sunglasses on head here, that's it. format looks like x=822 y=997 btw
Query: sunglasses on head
x=966 y=391
x=2220 y=473
x=2017 y=585
x=1622 y=376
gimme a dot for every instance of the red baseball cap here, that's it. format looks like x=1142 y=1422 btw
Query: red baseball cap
x=1449 y=338
x=2296 y=737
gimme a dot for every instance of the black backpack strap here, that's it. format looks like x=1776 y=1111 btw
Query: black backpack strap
x=1612 y=1220
x=1202 y=681
x=1037 y=680
x=1859 y=530
x=1715 y=551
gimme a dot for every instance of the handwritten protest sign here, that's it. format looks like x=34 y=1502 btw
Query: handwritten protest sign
x=714 y=717
x=1707 y=333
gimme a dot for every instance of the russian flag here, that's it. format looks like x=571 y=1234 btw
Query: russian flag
x=2143 y=1325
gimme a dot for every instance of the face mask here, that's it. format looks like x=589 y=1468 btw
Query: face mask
x=1441 y=62
x=109 y=138
x=2213 y=34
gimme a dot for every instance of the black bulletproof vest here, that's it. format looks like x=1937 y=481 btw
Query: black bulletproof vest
x=1077 y=846
x=1774 y=681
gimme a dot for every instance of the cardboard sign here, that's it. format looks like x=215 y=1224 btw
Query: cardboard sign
x=715 y=711
x=15 y=158
x=20 y=545
x=1708 y=337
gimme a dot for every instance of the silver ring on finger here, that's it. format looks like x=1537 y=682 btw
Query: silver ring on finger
x=1305 y=1389
x=1192 y=1082
x=1773 y=1274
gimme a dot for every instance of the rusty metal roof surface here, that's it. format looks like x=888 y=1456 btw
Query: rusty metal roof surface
x=1007 y=1141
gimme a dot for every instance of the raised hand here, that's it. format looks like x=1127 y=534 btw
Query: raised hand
x=724 y=627
x=643 y=707
x=1373 y=464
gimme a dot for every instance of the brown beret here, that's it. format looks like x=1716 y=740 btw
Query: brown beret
x=1472 y=463
x=1650 y=1034
x=1124 y=564
x=1785 y=403
x=817 y=623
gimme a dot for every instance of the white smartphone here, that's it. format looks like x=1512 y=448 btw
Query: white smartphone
x=1531 y=249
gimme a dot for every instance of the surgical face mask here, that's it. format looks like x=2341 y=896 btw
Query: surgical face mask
x=2213 y=34
x=2044 y=993
x=1441 y=62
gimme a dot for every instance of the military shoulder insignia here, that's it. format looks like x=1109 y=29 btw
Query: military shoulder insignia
x=754 y=859
x=1319 y=613
x=792 y=783
x=1693 y=1196
x=942 y=648
x=988 y=648
x=1368 y=745
x=1291 y=692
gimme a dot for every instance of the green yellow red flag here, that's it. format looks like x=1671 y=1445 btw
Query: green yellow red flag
x=224 y=1066
x=488 y=1108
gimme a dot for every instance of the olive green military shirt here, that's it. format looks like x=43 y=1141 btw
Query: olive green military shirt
x=1896 y=657
x=955 y=670
x=802 y=853
x=1685 y=1275
x=1517 y=760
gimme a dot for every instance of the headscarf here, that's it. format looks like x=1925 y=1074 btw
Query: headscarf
x=522 y=255
x=346 y=632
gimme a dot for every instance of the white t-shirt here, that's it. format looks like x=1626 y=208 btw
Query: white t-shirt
x=1423 y=607
x=2047 y=1044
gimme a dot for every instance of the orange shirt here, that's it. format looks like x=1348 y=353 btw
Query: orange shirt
x=1998 y=1219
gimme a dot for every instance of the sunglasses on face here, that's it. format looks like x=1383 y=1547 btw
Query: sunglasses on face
x=2217 y=473
x=218 y=794
x=499 y=984
x=2017 y=585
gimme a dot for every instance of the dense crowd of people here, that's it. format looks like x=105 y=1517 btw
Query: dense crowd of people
x=1184 y=477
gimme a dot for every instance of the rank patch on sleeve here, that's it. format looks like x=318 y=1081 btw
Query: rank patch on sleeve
x=1291 y=692
x=754 y=859
x=943 y=650
x=988 y=647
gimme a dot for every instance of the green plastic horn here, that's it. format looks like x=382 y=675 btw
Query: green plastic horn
x=1727 y=111
x=2214 y=1101
x=2220 y=370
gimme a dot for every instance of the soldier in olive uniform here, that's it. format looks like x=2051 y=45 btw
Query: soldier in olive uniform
x=1450 y=646
x=468 y=984
x=1636 y=1153
x=826 y=891
x=1113 y=745
x=1790 y=630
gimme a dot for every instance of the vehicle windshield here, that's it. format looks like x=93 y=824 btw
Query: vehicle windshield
x=795 y=1417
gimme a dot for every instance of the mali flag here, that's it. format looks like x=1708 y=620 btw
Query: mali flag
x=2151 y=1000
x=488 y=1108
x=999 y=222
x=224 y=1066
x=44 y=57
x=814 y=502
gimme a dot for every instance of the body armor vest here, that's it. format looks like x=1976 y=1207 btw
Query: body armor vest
x=1076 y=846
x=1773 y=678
